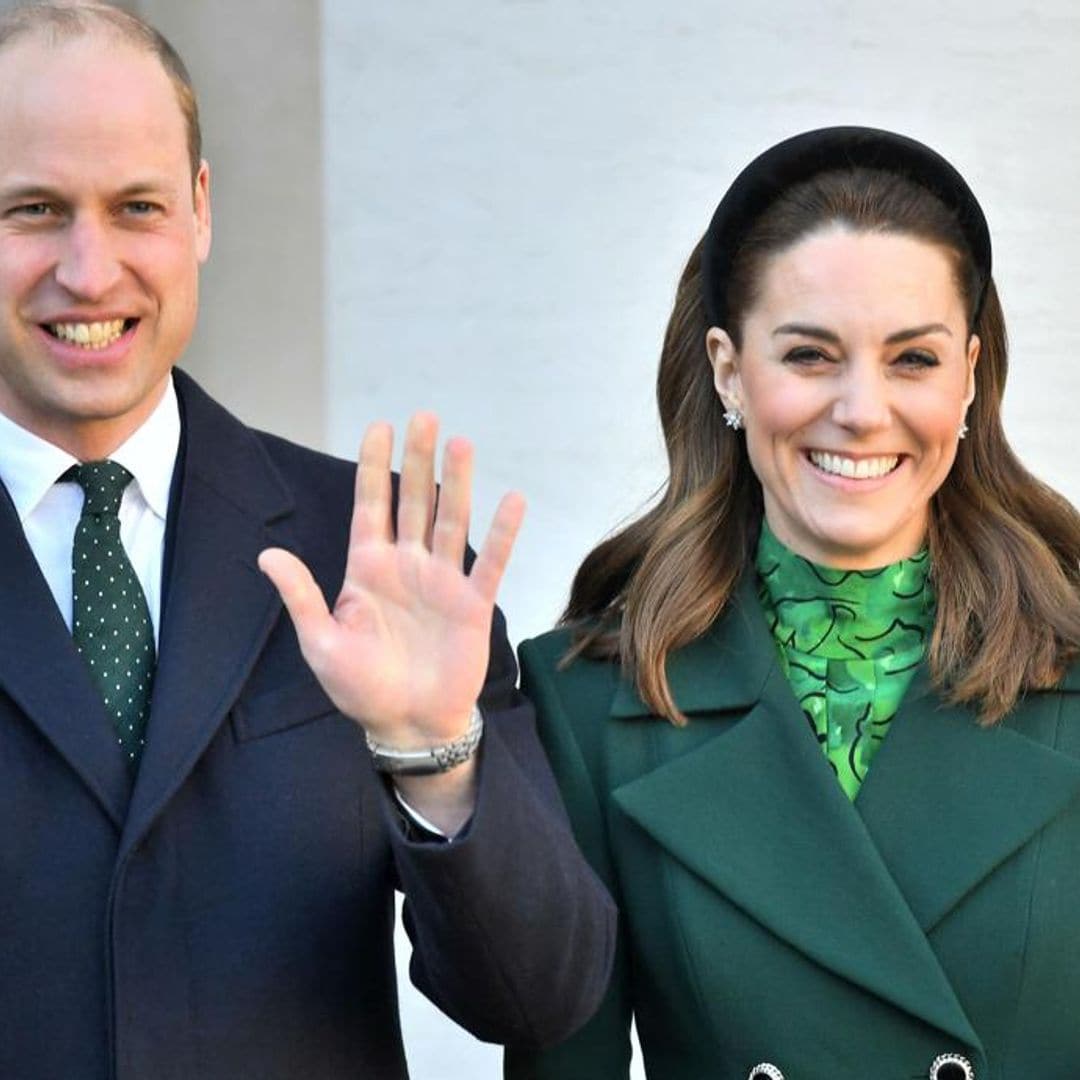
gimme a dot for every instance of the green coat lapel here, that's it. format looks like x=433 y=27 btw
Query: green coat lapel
x=756 y=812
x=946 y=801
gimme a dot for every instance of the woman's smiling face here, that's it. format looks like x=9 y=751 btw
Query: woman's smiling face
x=855 y=370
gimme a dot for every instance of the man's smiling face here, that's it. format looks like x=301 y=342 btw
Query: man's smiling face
x=102 y=232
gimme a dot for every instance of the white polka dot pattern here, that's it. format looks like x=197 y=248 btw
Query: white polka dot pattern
x=111 y=622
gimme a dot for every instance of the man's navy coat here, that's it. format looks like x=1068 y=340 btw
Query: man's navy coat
x=229 y=914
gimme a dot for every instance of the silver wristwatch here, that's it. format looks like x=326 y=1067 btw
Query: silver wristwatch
x=431 y=759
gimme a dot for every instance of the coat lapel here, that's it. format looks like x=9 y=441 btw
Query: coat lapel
x=220 y=608
x=947 y=801
x=772 y=829
x=43 y=673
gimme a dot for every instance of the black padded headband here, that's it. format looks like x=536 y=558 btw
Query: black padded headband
x=799 y=158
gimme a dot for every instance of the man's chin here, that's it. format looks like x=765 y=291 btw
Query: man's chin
x=93 y=417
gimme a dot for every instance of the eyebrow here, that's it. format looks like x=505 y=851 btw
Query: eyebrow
x=28 y=191
x=31 y=190
x=819 y=332
x=150 y=186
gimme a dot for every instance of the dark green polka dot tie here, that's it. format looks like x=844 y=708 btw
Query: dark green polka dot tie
x=111 y=622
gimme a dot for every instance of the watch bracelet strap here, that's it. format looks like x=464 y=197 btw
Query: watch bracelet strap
x=430 y=759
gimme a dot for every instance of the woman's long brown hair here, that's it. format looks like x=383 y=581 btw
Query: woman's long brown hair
x=1005 y=548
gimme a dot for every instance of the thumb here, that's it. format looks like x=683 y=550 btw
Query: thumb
x=299 y=592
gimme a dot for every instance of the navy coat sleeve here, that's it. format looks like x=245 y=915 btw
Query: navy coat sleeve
x=513 y=934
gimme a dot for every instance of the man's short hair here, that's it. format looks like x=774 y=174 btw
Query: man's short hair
x=58 y=21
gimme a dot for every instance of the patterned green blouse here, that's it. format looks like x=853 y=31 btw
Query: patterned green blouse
x=849 y=641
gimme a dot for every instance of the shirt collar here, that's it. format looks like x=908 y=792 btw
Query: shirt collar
x=30 y=465
x=150 y=452
x=844 y=614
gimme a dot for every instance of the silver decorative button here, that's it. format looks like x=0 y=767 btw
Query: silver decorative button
x=765 y=1071
x=951 y=1067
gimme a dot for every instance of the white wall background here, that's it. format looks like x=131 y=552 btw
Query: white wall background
x=512 y=186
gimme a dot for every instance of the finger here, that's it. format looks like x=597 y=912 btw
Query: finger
x=455 y=496
x=487 y=571
x=416 y=497
x=371 y=498
x=302 y=597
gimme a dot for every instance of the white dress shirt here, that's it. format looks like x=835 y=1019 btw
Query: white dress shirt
x=49 y=511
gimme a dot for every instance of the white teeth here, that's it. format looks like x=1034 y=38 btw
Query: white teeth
x=95 y=335
x=863 y=469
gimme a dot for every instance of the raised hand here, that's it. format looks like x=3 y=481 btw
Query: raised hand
x=405 y=648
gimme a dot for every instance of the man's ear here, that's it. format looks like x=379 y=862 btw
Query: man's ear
x=724 y=359
x=202 y=212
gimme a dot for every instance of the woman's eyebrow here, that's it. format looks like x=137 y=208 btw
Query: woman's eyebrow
x=819 y=332
x=917 y=331
x=805 y=330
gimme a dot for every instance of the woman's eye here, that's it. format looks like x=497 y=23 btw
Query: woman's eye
x=806 y=355
x=916 y=358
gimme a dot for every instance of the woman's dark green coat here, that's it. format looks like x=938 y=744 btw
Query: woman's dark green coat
x=766 y=918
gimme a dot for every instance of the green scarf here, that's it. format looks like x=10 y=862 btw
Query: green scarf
x=849 y=641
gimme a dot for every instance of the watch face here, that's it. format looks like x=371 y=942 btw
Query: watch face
x=424 y=764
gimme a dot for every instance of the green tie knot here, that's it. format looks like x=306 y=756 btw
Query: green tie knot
x=103 y=483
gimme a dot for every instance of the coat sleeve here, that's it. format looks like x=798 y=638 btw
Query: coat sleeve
x=513 y=934
x=602 y=1047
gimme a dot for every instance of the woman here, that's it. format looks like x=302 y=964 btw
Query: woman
x=813 y=715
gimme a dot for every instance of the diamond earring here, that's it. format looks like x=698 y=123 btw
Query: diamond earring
x=963 y=430
x=733 y=418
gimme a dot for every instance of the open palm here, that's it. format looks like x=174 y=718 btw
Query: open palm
x=405 y=648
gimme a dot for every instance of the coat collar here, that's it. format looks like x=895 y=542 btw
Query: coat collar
x=946 y=801
x=220 y=608
x=726 y=668
x=43 y=673
x=1072 y=678
x=775 y=834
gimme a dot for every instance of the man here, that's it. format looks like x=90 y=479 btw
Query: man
x=198 y=854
